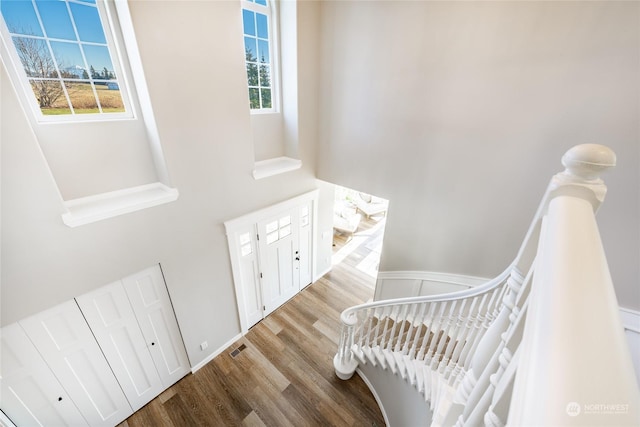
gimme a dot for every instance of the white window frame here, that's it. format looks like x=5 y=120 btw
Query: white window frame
x=271 y=11
x=114 y=45
x=99 y=206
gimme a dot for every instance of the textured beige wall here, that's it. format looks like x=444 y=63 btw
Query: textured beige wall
x=204 y=126
x=459 y=112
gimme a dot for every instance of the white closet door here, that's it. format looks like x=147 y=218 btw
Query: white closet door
x=116 y=329
x=66 y=343
x=151 y=304
x=29 y=392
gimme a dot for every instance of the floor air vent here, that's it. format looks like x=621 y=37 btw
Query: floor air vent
x=237 y=351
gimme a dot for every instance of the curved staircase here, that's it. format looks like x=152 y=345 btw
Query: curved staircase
x=519 y=349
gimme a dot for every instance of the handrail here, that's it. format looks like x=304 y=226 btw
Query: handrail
x=449 y=296
x=518 y=348
x=576 y=367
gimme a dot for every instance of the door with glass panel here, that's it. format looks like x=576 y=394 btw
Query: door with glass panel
x=272 y=256
x=278 y=243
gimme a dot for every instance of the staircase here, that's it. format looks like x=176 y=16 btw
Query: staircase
x=541 y=344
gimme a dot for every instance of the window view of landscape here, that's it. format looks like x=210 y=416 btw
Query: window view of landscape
x=257 y=54
x=64 y=53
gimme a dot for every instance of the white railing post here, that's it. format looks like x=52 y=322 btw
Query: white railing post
x=575 y=366
x=344 y=362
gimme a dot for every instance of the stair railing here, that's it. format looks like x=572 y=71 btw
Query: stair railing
x=463 y=350
x=575 y=366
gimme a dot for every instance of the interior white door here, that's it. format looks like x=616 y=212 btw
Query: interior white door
x=249 y=269
x=151 y=304
x=66 y=343
x=30 y=393
x=116 y=329
x=278 y=244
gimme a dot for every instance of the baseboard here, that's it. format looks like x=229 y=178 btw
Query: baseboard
x=215 y=353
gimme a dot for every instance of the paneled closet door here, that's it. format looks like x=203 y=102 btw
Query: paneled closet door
x=151 y=304
x=30 y=393
x=116 y=329
x=66 y=343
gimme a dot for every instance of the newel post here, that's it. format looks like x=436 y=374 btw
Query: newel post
x=344 y=362
x=581 y=177
x=575 y=366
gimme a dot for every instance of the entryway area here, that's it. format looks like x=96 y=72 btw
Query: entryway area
x=272 y=255
x=358 y=221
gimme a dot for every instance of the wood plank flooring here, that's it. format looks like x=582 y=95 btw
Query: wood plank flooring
x=281 y=372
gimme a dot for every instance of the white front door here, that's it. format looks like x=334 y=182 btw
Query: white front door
x=29 y=392
x=66 y=343
x=150 y=301
x=116 y=329
x=278 y=252
x=272 y=254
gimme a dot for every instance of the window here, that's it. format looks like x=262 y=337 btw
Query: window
x=67 y=58
x=259 y=48
x=278 y=229
x=76 y=70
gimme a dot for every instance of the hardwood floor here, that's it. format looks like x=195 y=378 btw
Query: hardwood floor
x=281 y=372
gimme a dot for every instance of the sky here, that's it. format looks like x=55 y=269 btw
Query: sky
x=256 y=34
x=58 y=18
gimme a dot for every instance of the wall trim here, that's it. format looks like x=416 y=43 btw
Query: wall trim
x=630 y=320
x=457 y=279
x=408 y=283
x=215 y=353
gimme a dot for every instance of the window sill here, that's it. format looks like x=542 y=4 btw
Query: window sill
x=270 y=167
x=90 y=209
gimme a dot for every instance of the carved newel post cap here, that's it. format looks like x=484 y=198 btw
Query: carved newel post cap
x=587 y=161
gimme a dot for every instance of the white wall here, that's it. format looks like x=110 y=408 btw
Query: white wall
x=401 y=403
x=459 y=113
x=204 y=126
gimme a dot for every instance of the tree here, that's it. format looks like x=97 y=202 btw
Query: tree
x=37 y=62
x=265 y=82
x=85 y=75
x=252 y=79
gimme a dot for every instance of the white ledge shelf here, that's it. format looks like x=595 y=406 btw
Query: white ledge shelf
x=278 y=165
x=86 y=210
